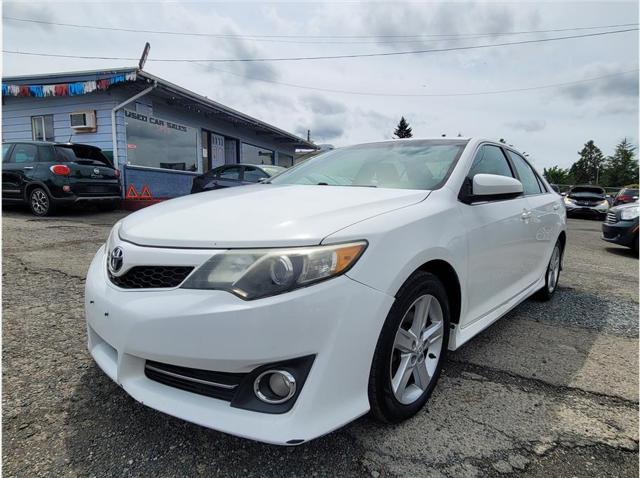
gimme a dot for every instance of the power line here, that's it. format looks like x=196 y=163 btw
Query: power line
x=326 y=38
x=430 y=95
x=326 y=57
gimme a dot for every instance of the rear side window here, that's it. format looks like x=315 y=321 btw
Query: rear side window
x=45 y=154
x=490 y=160
x=24 y=153
x=527 y=176
x=253 y=175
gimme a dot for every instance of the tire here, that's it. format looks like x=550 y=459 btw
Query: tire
x=390 y=401
x=107 y=206
x=551 y=276
x=40 y=202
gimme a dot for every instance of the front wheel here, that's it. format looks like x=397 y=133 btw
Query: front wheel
x=410 y=350
x=40 y=202
x=552 y=274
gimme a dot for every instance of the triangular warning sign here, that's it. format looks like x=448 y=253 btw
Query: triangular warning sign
x=131 y=192
x=145 y=192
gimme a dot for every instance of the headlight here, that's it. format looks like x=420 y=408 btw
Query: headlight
x=255 y=273
x=604 y=203
x=629 y=213
x=568 y=200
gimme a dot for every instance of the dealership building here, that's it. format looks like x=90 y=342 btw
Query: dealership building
x=159 y=134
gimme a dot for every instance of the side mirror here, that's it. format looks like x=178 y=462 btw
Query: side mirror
x=494 y=186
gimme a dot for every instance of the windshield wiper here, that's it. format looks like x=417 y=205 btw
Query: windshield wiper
x=348 y=185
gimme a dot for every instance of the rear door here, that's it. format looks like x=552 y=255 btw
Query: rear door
x=18 y=170
x=497 y=238
x=545 y=221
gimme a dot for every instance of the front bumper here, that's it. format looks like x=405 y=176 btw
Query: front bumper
x=337 y=321
x=576 y=210
x=622 y=232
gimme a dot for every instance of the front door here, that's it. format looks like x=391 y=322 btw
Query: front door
x=16 y=171
x=217 y=150
x=497 y=234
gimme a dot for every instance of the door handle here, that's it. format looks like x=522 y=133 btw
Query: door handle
x=28 y=167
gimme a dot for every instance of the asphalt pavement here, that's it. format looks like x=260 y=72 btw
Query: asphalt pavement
x=549 y=390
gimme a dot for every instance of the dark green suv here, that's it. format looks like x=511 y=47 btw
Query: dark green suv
x=48 y=175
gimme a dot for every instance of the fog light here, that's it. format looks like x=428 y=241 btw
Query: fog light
x=274 y=386
x=66 y=188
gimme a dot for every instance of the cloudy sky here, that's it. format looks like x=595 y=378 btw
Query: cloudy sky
x=551 y=124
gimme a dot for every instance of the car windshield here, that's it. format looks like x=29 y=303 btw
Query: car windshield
x=629 y=192
x=417 y=164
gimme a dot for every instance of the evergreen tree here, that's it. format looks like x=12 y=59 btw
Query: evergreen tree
x=403 y=129
x=621 y=168
x=589 y=167
x=556 y=175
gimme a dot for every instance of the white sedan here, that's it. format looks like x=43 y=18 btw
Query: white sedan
x=282 y=311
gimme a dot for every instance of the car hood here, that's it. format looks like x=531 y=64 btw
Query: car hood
x=265 y=215
x=587 y=195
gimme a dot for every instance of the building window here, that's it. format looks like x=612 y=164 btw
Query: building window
x=42 y=128
x=285 y=160
x=156 y=143
x=255 y=155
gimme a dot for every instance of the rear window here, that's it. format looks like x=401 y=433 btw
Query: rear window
x=273 y=170
x=83 y=154
x=629 y=192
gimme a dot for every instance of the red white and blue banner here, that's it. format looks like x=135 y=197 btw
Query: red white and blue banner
x=66 y=89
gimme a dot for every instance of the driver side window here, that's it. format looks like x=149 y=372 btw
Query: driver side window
x=490 y=160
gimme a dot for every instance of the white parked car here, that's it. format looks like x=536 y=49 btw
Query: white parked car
x=281 y=311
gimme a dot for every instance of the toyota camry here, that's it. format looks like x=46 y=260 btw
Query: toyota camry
x=282 y=311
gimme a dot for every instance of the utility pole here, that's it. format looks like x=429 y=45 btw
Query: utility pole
x=309 y=135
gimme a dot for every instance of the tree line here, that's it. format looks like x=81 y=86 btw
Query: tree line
x=592 y=167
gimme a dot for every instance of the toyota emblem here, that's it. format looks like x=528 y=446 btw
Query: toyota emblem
x=116 y=259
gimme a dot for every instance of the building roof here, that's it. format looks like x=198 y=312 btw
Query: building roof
x=173 y=92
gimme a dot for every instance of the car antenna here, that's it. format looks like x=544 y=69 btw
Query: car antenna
x=69 y=140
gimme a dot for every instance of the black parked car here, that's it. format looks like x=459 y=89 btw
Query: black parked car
x=621 y=225
x=232 y=175
x=48 y=175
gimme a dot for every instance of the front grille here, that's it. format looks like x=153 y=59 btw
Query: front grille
x=221 y=385
x=611 y=218
x=151 y=277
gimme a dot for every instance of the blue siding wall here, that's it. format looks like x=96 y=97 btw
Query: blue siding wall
x=16 y=125
x=161 y=184
x=17 y=113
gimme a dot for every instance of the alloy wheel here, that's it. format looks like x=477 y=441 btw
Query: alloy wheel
x=554 y=269
x=39 y=202
x=416 y=349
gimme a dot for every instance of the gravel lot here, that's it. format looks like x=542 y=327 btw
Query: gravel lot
x=550 y=390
